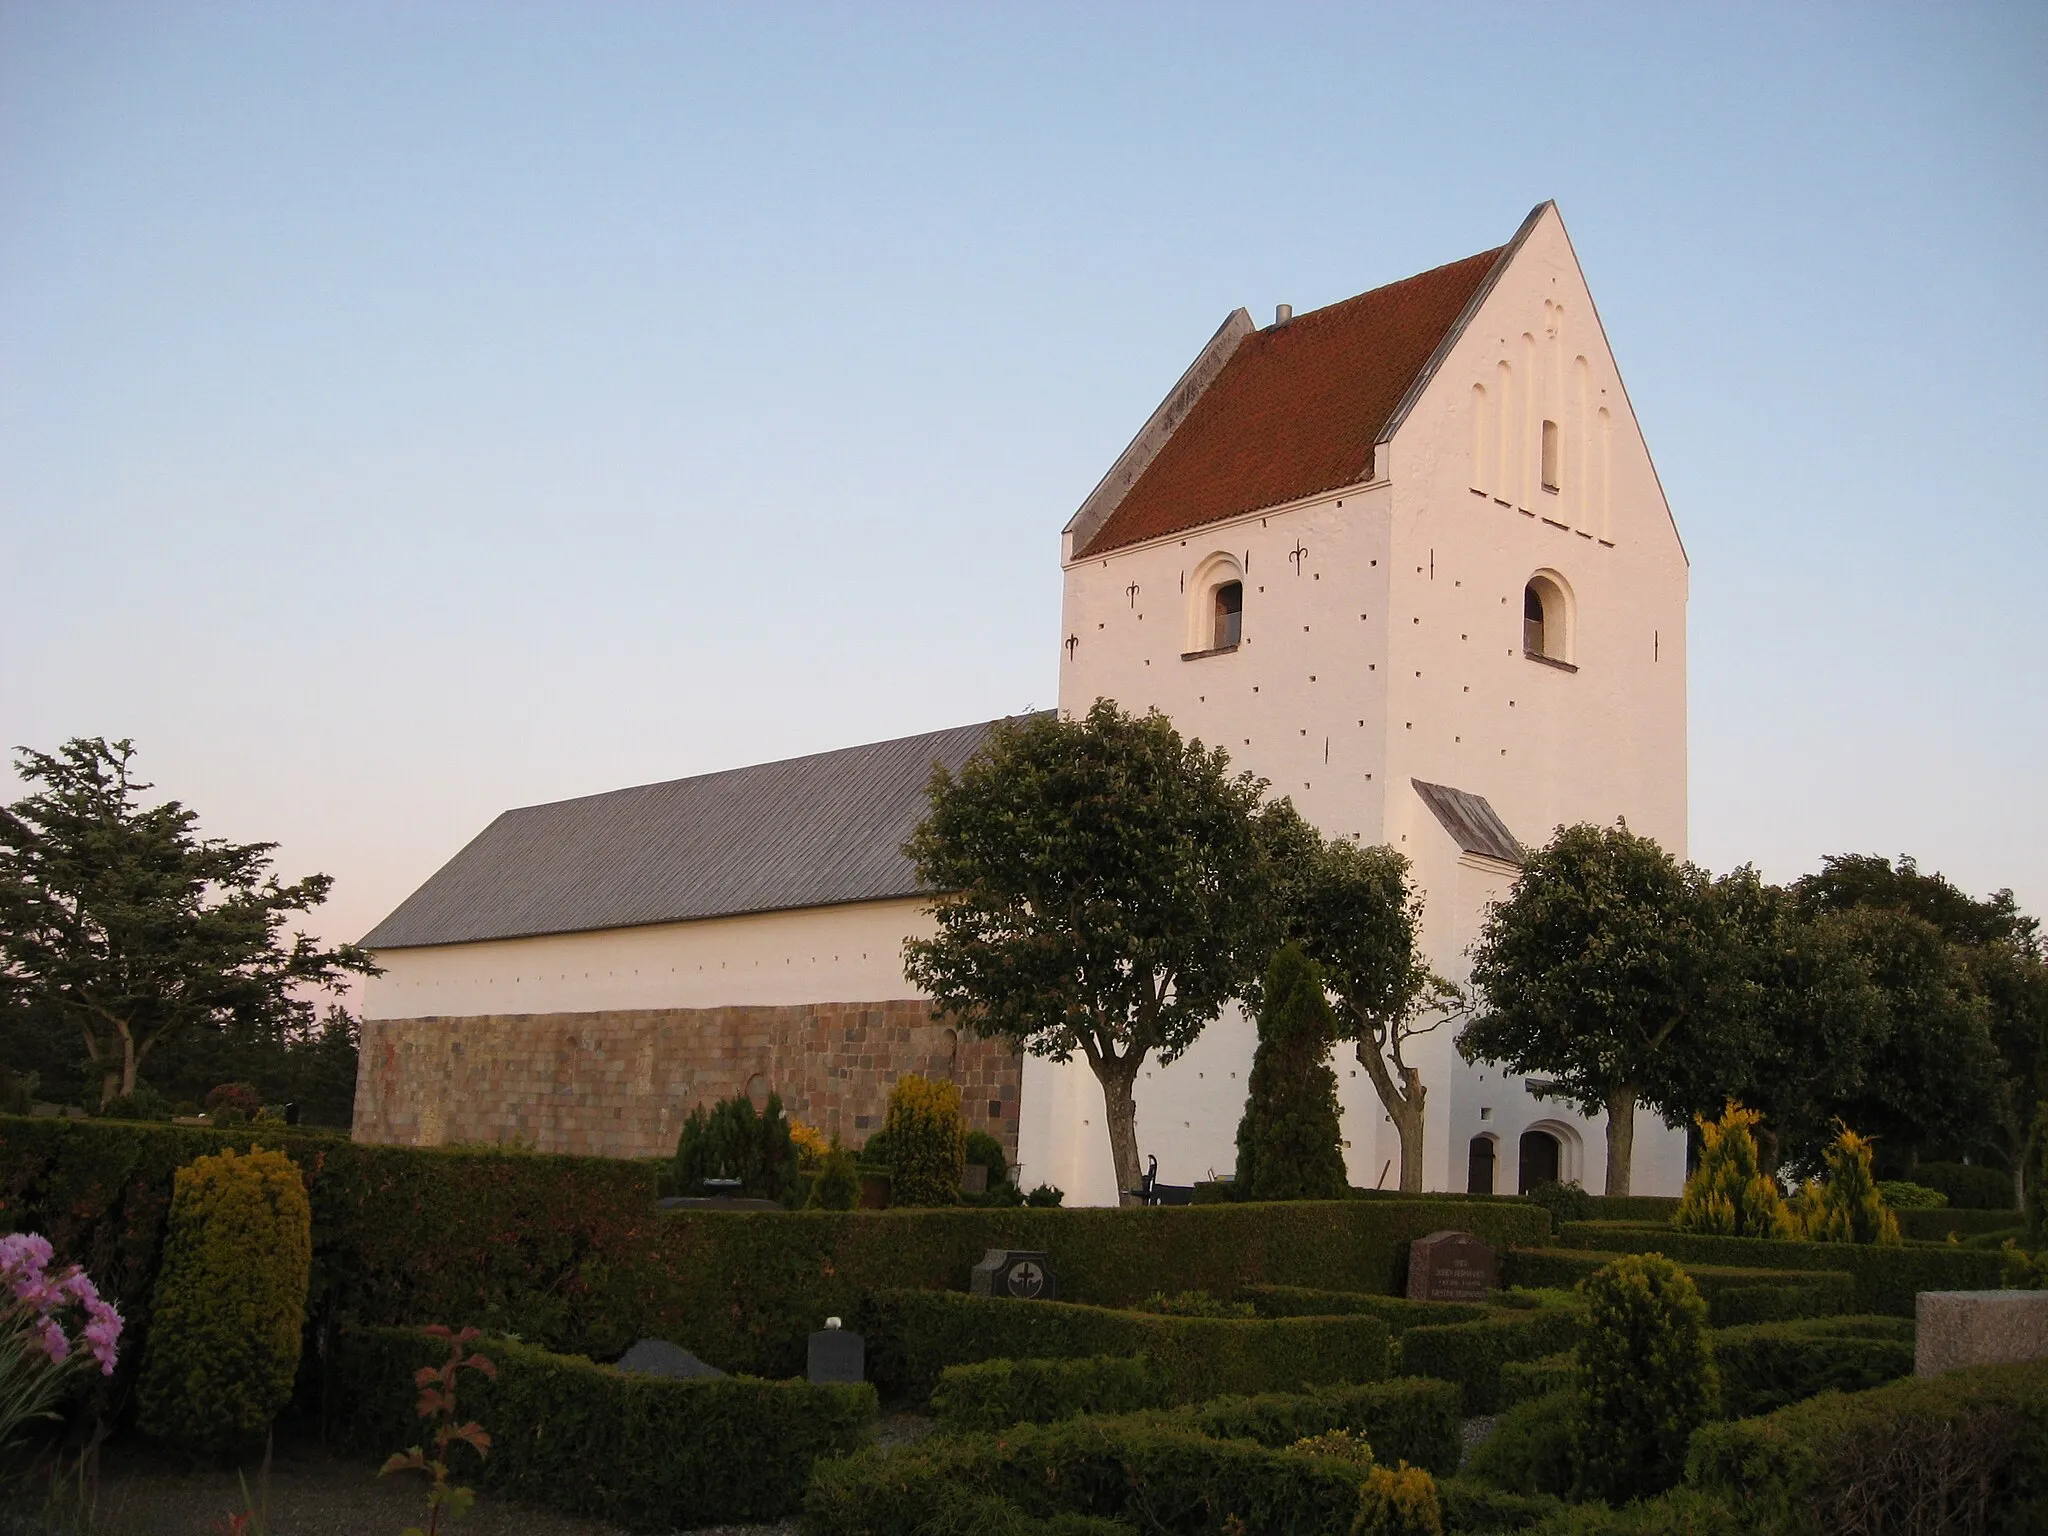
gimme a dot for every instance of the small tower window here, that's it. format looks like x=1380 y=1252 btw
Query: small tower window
x=1532 y=620
x=1550 y=471
x=1547 y=619
x=1229 y=614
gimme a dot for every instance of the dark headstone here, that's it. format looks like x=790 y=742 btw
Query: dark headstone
x=1023 y=1274
x=1450 y=1266
x=658 y=1357
x=974 y=1179
x=874 y=1191
x=837 y=1355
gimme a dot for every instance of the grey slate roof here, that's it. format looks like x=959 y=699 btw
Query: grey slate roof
x=1475 y=824
x=805 y=832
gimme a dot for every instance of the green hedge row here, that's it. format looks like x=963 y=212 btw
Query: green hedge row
x=1398 y=1312
x=993 y=1394
x=1769 y=1365
x=1472 y=1354
x=1967 y=1451
x=1936 y=1226
x=1657 y=1208
x=1886 y=1279
x=643 y=1452
x=1524 y=1380
x=1410 y=1419
x=1734 y=1295
x=912 y=1336
x=570 y=1252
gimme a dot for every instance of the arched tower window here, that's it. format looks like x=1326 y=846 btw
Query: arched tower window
x=1215 y=606
x=1229 y=626
x=1547 y=618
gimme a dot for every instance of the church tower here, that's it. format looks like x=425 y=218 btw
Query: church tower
x=1407 y=558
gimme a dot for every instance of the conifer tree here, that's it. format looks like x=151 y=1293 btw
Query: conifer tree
x=1290 y=1143
x=1846 y=1207
x=1729 y=1194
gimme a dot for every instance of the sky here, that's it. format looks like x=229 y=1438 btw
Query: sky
x=412 y=411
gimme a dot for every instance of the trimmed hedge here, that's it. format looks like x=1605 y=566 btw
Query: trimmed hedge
x=1735 y=1295
x=1168 y=1480
x=1471 y=1505
x=913 y=1336
x=1530 y=1448
x=1968 y=1186
x=645 y=1452
x=1886 y=1279
x=1521 y=1380
x=1657 y=1208
x=569 y=1252
x=1398 y=1312
x=1967 y=1451
x=996 y=1393
x=1410 y=1419
x=1934 y=1226
x=1769 y=1365
x=1472 y=1354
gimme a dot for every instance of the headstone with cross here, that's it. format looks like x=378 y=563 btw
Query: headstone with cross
x=1023 y=1274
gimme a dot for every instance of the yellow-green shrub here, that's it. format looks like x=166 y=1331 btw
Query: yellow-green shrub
x=230 y=1302
x=1398 y=1502
x=1729 y=1194
x=1846 y=1207
x=927 y=1136
x=1645 y=1377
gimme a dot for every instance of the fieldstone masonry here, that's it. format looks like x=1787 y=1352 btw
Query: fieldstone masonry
x=620 y=1084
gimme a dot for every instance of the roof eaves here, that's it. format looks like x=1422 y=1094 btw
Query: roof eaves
x=1428 y=371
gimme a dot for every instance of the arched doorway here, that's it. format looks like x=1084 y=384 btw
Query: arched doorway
x=1540 y=1160
x=1479 y=1167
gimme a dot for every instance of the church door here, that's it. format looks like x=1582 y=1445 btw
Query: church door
x=1479 y=1167
x=1539 y=1160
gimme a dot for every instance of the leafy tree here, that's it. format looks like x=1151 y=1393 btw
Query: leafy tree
x=120 y=921
x=1101 y=896
x=1610 y=968
x=1353 y=912
x=1290 y=1143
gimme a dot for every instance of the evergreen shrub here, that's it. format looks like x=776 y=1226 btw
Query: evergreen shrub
x=914 y=1335
x=1963 y=1452
x=230 y=1303
x=837 y=1185
x=1845 y=1206
x=1968 y=1186
x=629 y=1449
x=1290 y=1142
x=1398 y=1501
x=984 y=1149
x=730 y=1141
x=1645 y=1377
x=927 y=1135
x=1409 y=1419
x=1521 y=1380
x=1903 y=1195
x=1728 y=1193
x=1565 y=1202
x=1531 y=1447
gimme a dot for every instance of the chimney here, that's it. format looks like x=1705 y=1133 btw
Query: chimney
x=1282 y=314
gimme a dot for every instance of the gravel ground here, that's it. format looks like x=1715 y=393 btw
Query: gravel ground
x=312 y=1493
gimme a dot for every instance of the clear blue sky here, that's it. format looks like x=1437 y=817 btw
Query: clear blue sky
x=408 y=411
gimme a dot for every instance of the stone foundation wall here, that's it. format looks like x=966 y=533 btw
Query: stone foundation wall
x=620 y=1084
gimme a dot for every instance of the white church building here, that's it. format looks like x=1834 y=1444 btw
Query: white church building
x=1405 y=556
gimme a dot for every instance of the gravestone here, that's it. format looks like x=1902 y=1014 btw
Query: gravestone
x=1020 y=1273
x=974 y=1179
x=1450 y=1266
x=658 y=1357
x=1953 y=1329
x=837 y=1355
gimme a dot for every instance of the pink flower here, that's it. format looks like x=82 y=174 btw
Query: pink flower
x=55 y=1344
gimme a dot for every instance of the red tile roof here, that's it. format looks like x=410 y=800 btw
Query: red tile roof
x=1297 y=408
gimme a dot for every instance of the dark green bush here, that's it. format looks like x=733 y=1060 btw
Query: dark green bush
x=984 y=1149
x=1769 y=1365
x=145 y=1103
x=1964 y=1452
x=996 y=1393
x=230 y=1305
x=1521 y=1380
x=914 y=1335
x=1886 y=1279
x=730 y=1141
x=1734 y=1294
x=1968 y=1186
x=1044 y=1197
x=1645 y=1377
x=1904 y=1195
x=1530 y=1449
x=1655 y=1209
x=1934 y=1226
x=1681 y=1512
x=1168 y=1480
x=1193 y=1304
x=1472 y=1505
x=1409 y=1419
x=633 y=1450
x=1398 y=1312
x=1290 y=1142
x=1565 y=1202
x=1471 y=1354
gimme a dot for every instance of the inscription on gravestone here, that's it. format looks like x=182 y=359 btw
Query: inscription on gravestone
x=837 y=1354
x=1450 y=1266
x=1012 y=1272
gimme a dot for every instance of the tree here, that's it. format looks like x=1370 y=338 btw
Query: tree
x=1728 y=1193
x=1353 y=912
x=120 y=921
x=1100 y=884
x=1290 y=1143
x=1610 y=968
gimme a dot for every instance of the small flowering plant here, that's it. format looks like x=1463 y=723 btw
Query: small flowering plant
x=52 y=1326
